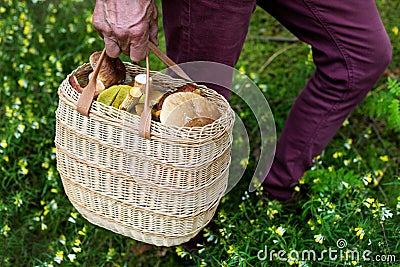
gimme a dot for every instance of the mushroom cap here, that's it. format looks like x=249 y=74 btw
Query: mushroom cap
x=188 y=109
x=112 y=70
x=154 y=97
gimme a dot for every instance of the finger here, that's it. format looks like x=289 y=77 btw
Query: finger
x=153 y=29
x=112 y=48
x=138 y=52
x=153 y=35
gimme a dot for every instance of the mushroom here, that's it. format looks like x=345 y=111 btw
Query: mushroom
x=114 y=95
x=131 y=99
x=184 y=88
x=112 y=70
x=73 y=81
x=154 y=97
x=188 y=109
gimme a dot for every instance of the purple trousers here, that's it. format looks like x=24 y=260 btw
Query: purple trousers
x=350 y=47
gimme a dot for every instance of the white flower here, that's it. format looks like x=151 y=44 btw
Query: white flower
x=386 y=213
x=71 y=257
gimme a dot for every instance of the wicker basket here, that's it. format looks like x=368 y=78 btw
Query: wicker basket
x=161 y=190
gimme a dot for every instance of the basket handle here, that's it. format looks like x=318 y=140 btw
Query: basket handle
x=167 y=61
x=145 y=118
x=86 y=98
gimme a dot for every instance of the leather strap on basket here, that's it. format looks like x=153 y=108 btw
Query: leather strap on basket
x=167 y=61
x=86 y=98
x=145 y=118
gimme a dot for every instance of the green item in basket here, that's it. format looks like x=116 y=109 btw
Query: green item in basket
x=114 y=95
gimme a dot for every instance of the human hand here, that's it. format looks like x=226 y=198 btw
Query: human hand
x=126 y=26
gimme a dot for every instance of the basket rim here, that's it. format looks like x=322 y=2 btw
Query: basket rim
x=103 y=111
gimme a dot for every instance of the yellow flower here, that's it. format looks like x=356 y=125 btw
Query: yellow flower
x=17 y=200
x=76 y=249
x=3 y=9
x=384 y=158
x=3 y=143
x=22 y=16
x=71 y=257
x=52 y=19
x=280 y=231
x=395 y=30
x=89 y=28
x=369 y=201
x=62 y=239
x=348 y=143
x=23 y=83
x=337 y=155
x=367 y=179
x=359 y=232
x=231 y=250
x=319 y=238
x=59 y=257
x=378 y=173
x=77 y=242
x=5 y=230
x=81 y=232
x=40 y=38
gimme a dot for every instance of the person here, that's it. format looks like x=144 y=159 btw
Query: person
x=350 y=46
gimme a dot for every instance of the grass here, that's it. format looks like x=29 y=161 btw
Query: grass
x=353 y=190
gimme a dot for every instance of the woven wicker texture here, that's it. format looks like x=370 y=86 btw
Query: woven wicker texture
x=161 y=191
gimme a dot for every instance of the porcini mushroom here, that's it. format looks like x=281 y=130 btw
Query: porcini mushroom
x=114 y=95
x=188 y=109
x=112 y=70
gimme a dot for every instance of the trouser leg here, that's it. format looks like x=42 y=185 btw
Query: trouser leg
x=207 y=30
x=350 y=47
x=351 y=50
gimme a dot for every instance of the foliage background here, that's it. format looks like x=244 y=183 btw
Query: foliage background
x=352 y=192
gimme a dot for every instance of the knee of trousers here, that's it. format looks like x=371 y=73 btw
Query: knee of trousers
x=368 y=71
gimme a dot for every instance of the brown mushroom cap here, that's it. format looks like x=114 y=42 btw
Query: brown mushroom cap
x=112 y=70
x=188 y=109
